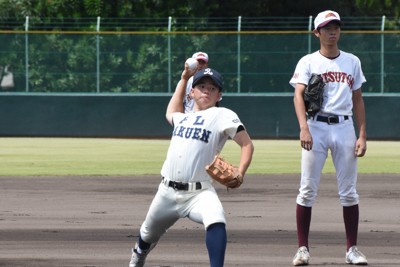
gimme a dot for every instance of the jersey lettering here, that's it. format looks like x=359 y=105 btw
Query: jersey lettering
x=338 y=77
x=193 y=133
x=205 y=136
x=188 y=132
x=184 y=119
x=198 y=122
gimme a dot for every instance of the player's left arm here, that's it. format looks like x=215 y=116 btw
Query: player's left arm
x=359 y=113
x=243 y=139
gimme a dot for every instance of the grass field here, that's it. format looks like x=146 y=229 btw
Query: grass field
x=98 y=156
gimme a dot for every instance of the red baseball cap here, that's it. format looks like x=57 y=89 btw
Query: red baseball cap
x=325 y=17
x=200 y=56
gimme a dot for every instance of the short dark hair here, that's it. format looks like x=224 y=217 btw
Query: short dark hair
x=337 y=22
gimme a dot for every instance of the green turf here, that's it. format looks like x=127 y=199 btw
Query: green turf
x=98 y=156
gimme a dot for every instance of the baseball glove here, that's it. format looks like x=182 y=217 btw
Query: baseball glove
x=313 y=94
x=224 y=173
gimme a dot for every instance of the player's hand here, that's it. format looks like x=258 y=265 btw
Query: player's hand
x=361 y=147
x=187 y=73
x=306 y=140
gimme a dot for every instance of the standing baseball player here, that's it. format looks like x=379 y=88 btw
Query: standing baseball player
x=188 y=102
x=186 y=189
x=330 y=129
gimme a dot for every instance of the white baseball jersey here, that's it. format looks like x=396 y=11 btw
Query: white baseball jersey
x=188 y=102
x=197 y=137
x=342 y=75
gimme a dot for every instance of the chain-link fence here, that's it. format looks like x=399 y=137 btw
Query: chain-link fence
x=119 y=56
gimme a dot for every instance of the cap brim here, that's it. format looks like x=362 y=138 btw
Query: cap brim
x=202 y=58
x=329 y=21
x=215 y=81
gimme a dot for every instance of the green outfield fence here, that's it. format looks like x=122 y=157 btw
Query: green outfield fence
x=146 y=55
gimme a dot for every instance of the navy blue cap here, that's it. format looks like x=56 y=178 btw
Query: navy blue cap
x=208 y=72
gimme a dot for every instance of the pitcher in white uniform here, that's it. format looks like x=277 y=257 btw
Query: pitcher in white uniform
x=331 y=129
x=186 y=189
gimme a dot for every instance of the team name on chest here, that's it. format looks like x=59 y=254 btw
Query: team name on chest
x=195 y=130
x=339 y=77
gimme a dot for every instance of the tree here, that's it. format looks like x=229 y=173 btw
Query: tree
x=139 y=63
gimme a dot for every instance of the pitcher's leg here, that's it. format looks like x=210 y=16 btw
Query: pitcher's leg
x=216 y=244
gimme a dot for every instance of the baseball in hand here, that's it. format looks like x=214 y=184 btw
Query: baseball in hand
x=192 y=63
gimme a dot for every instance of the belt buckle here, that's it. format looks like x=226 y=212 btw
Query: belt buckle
x=174 y=186
x=177 y=186
x=333 y=119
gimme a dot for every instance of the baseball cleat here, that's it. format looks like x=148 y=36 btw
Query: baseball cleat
x=138 y=259
x=302 y=257
x=353 y=256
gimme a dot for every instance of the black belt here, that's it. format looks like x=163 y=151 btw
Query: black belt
x=182 y=186
x=332 y=119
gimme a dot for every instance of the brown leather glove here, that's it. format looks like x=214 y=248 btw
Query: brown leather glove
x=224 y=173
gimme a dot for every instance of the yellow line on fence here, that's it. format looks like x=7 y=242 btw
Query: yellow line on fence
x=186 y=32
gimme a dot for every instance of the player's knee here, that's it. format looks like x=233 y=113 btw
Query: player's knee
x=306 y=200
x=349 y=200
x=151 y=236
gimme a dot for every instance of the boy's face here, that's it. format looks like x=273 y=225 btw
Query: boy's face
x=202 y=64
x=206 y=94
x=329 y=34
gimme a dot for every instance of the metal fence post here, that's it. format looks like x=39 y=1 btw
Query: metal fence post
x=26 y=54
x=383 y=54
x=169 y=53
x=238 y=52
x=309 y=35
x=98 y=56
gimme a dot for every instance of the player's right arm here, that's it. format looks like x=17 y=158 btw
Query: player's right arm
x=305 y=135
x=176 y=102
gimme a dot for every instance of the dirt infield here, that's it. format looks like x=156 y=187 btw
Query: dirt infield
x=94 y=221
